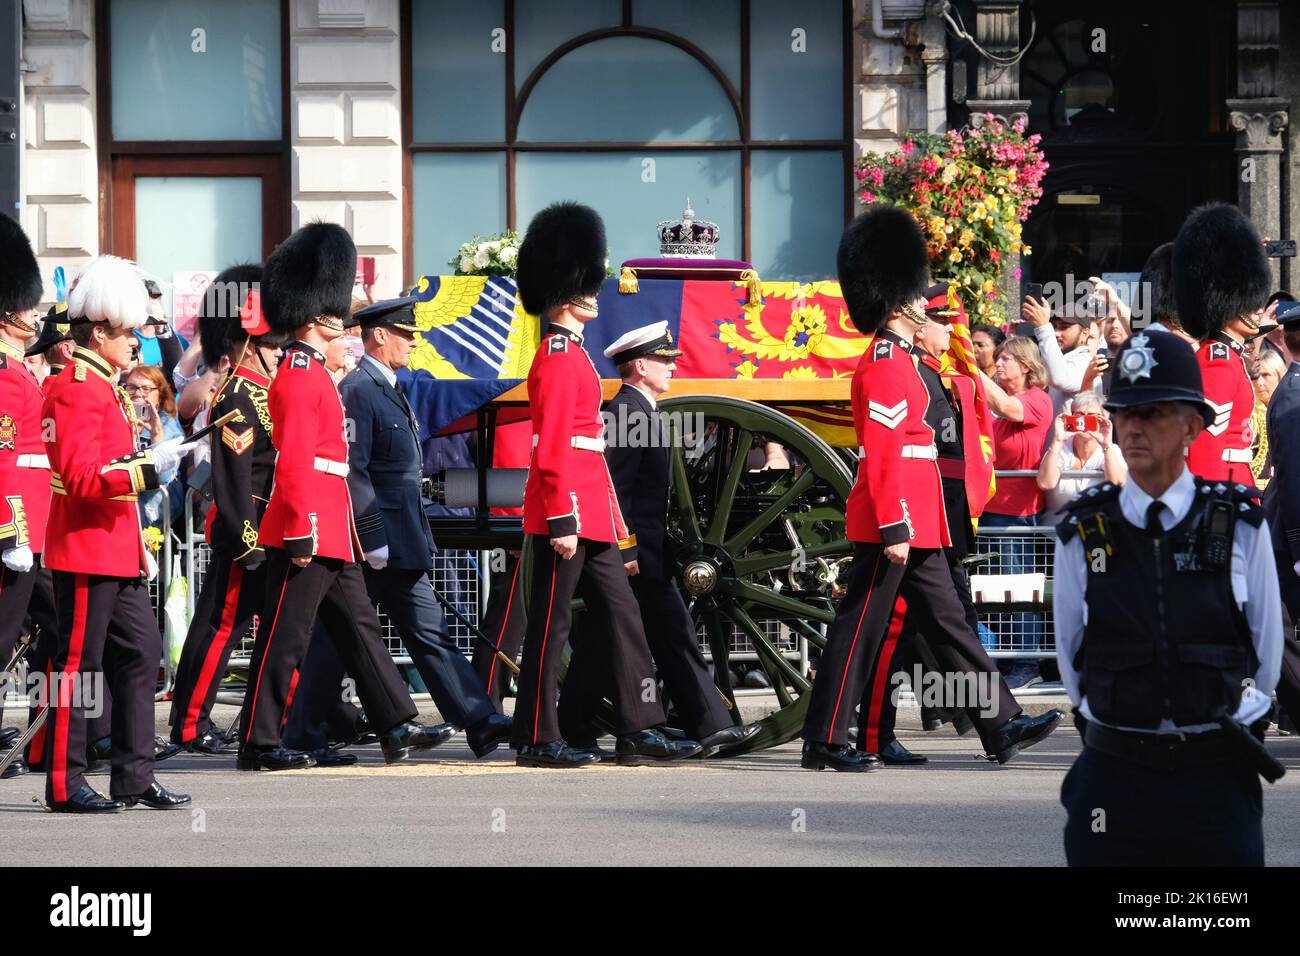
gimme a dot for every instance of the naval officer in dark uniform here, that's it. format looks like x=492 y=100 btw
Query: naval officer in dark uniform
x=385 y=484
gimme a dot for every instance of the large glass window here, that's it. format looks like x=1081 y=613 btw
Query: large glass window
x=632 y=108
x=195 y=69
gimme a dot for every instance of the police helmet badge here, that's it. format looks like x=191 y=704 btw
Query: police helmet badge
x=1138 y=360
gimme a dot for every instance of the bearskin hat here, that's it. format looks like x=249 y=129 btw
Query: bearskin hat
x=1158 y=282
x=309 y=274
x=109 y=290
x=20 y=278
x=562 y=256
x=1220 y=272
x=882 y=264
x=221 y=324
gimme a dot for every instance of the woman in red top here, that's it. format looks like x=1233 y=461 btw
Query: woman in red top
x=1020 y=433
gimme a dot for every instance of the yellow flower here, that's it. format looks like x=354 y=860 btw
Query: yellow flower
x=954 y=256
x=1015 y=247
x=1015 y=230
x=1011 y=175
x=949 y=173
x=992 y=202
x=1026 y=250
x=967 y=237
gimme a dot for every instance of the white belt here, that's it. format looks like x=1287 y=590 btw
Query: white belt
x=581 y=441
x=34 y=461
x=927 y=452
x=1242 y=456
x=331 y=467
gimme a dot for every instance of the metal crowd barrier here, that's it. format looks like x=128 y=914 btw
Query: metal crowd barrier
x=1008 y=628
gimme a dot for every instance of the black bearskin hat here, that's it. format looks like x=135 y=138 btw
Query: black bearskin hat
x=1158 y=282
x=310 y=274
x=562 y=256
x=882 y=265
x=221 y=325
x=1220 y=271
x=20 y=277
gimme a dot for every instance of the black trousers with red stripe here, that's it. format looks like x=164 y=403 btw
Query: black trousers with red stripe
x=230 y=600
x=294 y=596
x=879 y=711
x=851 y=661
x=504 y=623
x=108 y=636
x=43 y=623
x=616 y=618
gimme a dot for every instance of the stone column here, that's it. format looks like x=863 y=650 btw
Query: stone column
x=345 y=90
x=60 y=184
x=1259 y=115
x=997 y=91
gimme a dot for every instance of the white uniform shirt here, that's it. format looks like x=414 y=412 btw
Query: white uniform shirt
x=1065 y=371
x=1254 y=585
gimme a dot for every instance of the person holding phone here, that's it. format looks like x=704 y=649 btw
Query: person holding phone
x=1082 y=440
x=1063 y=344
x=156 y=421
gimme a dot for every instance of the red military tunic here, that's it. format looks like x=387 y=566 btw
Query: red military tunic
x=898 y=496
x=1222 y=452
x=24 y=467
x=310 y=511
x=569 y=489
x=94 y=525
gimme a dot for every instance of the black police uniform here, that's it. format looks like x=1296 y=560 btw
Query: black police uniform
x=1156 y=646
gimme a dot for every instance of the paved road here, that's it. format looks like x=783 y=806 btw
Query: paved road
x=445 y=808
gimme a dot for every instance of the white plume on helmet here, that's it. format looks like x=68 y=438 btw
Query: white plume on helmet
x=109 y=290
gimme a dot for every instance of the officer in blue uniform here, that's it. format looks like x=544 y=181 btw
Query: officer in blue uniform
x=1168 y=636
x=385 y=483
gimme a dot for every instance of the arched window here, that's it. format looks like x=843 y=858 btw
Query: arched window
x=630 y=107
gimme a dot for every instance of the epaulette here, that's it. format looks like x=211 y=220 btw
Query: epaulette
x=1245 y=498
x=1078 y=511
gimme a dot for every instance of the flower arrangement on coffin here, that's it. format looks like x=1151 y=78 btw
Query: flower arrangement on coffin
x=494 y=256
x=971 y=191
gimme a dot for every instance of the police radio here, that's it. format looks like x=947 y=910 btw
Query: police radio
x=1216 y=541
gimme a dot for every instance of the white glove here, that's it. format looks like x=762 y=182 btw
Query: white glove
x=18 y=559
x=1296 y=567
x=378 y=558
x=168 y=454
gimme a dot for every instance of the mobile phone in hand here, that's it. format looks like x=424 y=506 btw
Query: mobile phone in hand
x=1034 y=289
x=1082 y=423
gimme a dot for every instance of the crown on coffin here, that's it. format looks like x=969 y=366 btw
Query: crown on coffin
x=688 y=237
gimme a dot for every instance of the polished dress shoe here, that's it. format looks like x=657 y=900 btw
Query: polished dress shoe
x=1022 y=732
x=819 y=756
x=272 y=758
x=894 y=754
x=602 y=754
x=555 y=753
x=488 y=734
x=157 y=797
x=209 y=742
x=725 y=742
x=7 y=737
x=329 y=757
x=86 y=800
x=164 y=748
x=15 y=769
x=651 y=746
x=398 y=743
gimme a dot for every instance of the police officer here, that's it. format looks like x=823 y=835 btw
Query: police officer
x=639 y=458
x=1223 y=450
x=571 y=513
x=1167 y=619
x=385 y=483
x=307 y=528
x=895 y=514
x=231 y=325
x=96 y=550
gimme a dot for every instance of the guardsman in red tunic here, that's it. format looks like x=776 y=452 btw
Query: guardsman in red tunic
x=55 y=343
x=24 y=470
x=308 y=530
x=1223 y=452
x=571 y=513
x=896 y=516
x=243 y=462
x=108 y=630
